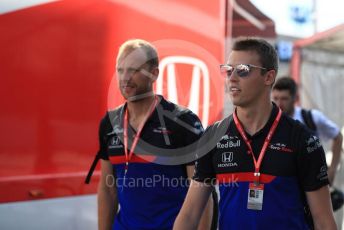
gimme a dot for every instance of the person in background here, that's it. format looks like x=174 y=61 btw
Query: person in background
x=285 y=95
x=269 y=167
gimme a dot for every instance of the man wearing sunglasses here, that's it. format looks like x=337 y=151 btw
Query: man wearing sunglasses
x=269 y=168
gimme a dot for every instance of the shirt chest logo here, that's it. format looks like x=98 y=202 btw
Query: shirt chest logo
x=227 y=157
x=162 y=130
x=115 y=143
x=313 y=143
x=281 y=147
x=228 y=142
x=227 y=160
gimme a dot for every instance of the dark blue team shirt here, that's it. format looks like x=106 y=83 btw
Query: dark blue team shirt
x=150 y=195
x=294 y=163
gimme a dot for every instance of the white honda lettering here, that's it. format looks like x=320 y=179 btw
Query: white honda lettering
x=227 y=160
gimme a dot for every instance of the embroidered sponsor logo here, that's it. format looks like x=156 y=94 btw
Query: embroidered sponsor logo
x=225 y=137
x=227 y=160
x=162 y=130
x=116 y=130
x=312 y=140
x=227 y=157
x=323 y=173
x=313 y=143
x=198 y=126
x=115 y=143
x=229 y=144
x=280 y=147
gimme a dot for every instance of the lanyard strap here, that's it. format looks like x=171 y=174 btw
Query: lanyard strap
x=138 y=134
x=266 y=142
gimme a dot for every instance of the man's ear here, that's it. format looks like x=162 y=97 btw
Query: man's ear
x=270 y=77
x=152 y=74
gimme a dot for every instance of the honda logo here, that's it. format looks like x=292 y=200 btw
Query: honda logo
x=115 y=140
x=199 y=71
x=227 y=157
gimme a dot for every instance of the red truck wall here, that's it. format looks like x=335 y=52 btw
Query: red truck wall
x=56 y=65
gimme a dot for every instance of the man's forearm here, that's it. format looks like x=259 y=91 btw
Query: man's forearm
x=107 y=209
x=193 y=207
x=336 y=155
x=205 y=222
x=319 y=202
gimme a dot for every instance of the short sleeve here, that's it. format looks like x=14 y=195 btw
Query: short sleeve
x=326 y=128
x=204 y=170
x=189 y=132
x=193 y=129
x=312 y=168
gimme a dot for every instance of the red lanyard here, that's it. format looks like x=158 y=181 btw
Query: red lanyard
x=138 y=134
x=266 y=142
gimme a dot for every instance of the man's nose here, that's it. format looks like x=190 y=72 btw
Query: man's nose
x=232 y=77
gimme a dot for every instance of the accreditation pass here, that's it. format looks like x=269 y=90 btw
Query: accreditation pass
x=255 y=196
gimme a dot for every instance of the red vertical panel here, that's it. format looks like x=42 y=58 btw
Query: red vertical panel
x=56 y=66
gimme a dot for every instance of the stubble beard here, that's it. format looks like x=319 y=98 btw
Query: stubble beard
x=139 y=95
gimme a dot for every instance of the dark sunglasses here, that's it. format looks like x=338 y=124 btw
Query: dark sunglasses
x=242 y=70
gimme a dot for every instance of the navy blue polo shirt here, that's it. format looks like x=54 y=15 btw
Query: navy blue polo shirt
x=150 y=195
x=293 y=163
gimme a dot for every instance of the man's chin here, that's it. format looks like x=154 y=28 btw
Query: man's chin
x=133 y=98
x=129 y=96
x=138 y=97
